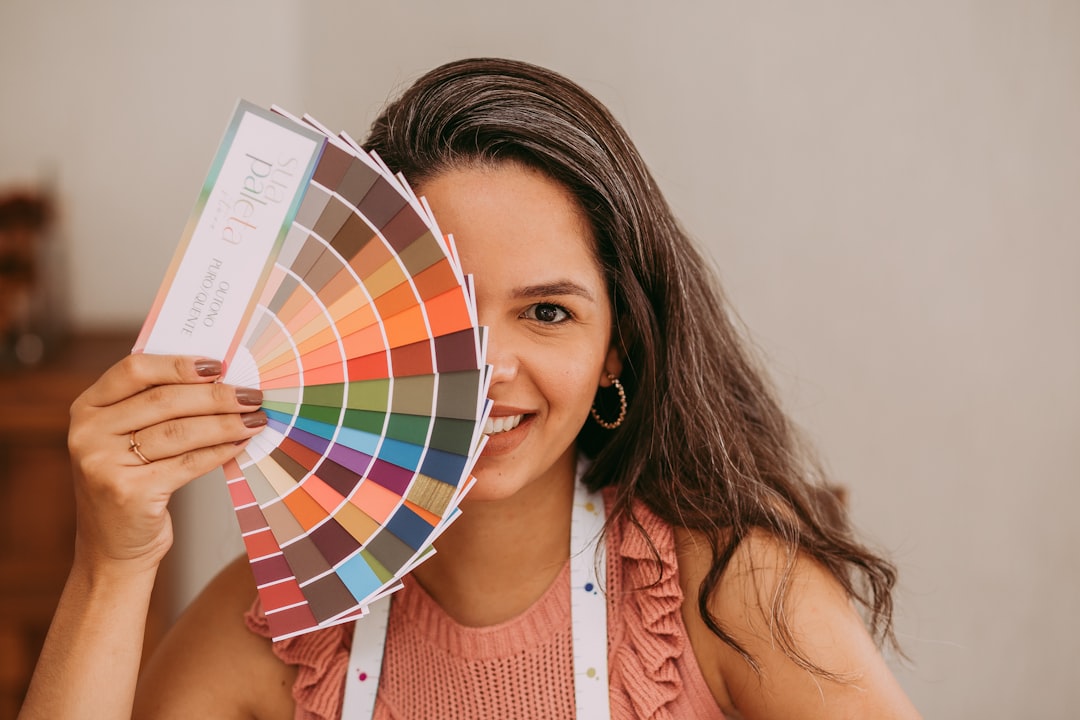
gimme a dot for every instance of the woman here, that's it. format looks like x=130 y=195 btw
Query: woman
x=732 y=577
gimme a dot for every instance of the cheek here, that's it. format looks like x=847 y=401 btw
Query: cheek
x=574 y=383
x=567 y=370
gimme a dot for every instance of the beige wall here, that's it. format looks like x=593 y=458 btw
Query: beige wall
x=888 y=189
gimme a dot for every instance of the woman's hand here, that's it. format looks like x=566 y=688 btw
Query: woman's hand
x=148 y=426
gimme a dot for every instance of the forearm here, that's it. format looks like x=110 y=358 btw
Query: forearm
x=186 y=424
x=89 y=664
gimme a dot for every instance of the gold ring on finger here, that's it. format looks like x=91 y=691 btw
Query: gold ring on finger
x=134 y=447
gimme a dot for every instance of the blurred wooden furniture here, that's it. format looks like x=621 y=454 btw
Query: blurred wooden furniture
x=26 y=223
x=37 y=511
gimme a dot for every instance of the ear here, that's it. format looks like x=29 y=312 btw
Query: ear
x=613 y=365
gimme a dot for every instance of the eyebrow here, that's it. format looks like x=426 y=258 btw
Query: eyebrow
x=559 y=287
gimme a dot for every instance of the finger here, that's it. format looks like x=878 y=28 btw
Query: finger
x=138 y=371
x=162 y=403
x=113 y=425
x=170 y=474
x=178 y=437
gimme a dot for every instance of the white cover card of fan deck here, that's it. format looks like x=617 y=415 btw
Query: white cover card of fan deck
x=251 y=194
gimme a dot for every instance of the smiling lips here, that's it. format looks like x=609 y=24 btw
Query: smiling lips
x=506 y=432
x=496 y=425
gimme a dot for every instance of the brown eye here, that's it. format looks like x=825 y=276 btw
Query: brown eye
x=547 y=313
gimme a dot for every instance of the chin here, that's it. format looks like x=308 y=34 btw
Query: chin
x=492 y=486
x=504 y=477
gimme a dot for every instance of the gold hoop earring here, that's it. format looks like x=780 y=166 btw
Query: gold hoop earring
x=622 y=407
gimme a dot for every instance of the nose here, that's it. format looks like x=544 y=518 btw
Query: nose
x=501 y=354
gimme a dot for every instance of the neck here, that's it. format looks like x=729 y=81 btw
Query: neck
x=500 y=555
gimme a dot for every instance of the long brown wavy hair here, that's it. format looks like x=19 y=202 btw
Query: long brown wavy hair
x=704 y=444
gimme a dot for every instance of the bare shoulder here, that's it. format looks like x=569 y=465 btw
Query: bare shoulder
x=210 y=665
x=825 y=627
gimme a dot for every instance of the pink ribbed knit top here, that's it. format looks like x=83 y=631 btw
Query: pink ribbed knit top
x=522 y=668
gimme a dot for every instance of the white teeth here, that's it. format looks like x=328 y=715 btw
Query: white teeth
x=501 y=424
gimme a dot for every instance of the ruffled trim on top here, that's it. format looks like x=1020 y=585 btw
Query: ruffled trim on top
x=321 y=659
x=648 y=655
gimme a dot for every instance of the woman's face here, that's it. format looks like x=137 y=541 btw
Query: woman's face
x=541 y=293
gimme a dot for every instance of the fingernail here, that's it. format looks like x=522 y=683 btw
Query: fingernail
x=208 y=368
x=254 y=420
x=249 y=396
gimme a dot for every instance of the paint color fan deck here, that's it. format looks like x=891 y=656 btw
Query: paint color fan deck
x=322 y=279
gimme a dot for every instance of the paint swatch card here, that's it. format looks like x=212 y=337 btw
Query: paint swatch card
x=321 y=278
